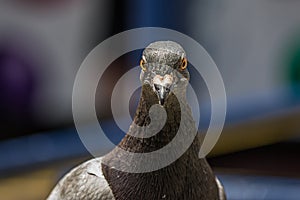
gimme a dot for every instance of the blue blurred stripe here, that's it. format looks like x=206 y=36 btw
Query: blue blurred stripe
x=239 y=187
x=54 y=145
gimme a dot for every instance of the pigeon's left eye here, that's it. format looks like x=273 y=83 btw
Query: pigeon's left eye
x=142 y=64
x=183 y=64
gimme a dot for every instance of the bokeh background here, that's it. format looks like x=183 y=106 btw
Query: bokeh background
x=255 y=44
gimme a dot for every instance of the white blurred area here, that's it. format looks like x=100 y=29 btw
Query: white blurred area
x=55 y=39
x=248 y=41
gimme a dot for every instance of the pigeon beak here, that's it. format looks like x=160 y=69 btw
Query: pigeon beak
x=162 y=86
x=162 y=93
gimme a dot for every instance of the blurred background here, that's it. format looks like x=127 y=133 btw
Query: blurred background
x=255 y=44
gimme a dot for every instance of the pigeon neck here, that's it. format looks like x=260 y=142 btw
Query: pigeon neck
x=182 y=179
x=142 y=120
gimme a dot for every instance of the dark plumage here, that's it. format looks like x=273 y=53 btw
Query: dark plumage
x=164 y=79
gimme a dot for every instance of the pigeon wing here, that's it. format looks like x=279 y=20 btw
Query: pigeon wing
x=86 y=181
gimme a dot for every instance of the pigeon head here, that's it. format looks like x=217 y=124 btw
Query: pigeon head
x=164 y=68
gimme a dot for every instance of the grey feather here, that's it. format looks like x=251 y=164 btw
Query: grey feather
x=221 y=190
x=86 y=181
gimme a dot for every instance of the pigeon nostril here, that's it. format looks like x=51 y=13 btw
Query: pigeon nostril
x=157 y=87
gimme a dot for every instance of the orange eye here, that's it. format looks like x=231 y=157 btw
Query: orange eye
x=183 y=64
x=142 y=62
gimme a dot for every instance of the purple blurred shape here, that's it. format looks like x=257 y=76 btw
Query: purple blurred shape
x=17 y=84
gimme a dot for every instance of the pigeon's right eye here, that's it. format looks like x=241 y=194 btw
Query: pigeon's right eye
x=183 y=64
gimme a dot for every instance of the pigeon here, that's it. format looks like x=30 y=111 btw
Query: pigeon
x=164 y=77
